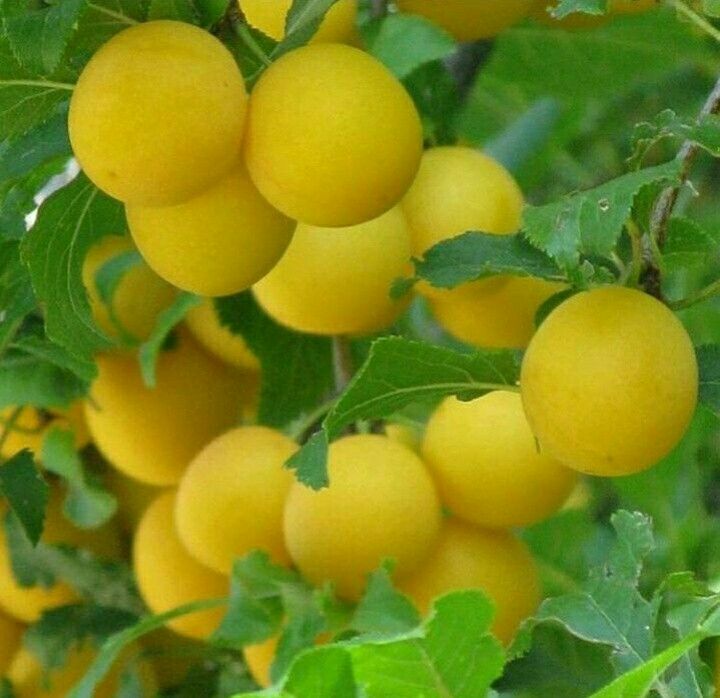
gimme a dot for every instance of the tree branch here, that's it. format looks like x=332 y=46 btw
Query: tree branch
x=668 y=198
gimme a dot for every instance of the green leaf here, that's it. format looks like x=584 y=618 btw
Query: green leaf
x=68 y=224
x=473 y=255
x=60 y=629
x=16 y=297
x=383 y=610
x=609 y=610
x=667 y=124
x=297 y=369
x=255 y=611
x=26 y=492
x=39 y=37
x=590 y=222
x=44 y=143
x=87 y=504
x=37 y=372
x=32 y=380
x=26 y=98
x=397 y=373
x=302 y=21
x=178 y=10
x=454 y=657
x=251 y=48
x=165 y=324
x=406 y=42
x=527 y=135
x=326 y=673
x=711 y=7
x=709 y=365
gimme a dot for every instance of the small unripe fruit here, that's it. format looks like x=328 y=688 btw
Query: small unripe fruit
x=498 y=312
x=338 y=24
x=381 y=504
x=158 y=113
x=338 y=281
x=495 y=562
x=469 y=20
x=485 y=462
x=169 y=577
x=206 y=327
x=332 y=138
x=137 y=300
x=216 y=244
x=610 y=382
x=152 y=434
x=230 y=500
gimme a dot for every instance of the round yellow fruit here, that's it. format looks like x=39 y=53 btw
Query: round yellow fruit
x=157 y=115
x=205 y=325
x=610 y=382
x=215 y=244
x=381 y=504
x=259 y=659
x=269 y=17
x=495 y=562
x=168 y=577
x=230 y=500
x=332 y=137
x=338 y=281
x=27 y=430
x=137 y=300
x=11 y=633
x=495 y=313
x=27 y=604
x=469 y=20
x=485 y=462
x=460 y=189
x=29 y=679
x=152 y=434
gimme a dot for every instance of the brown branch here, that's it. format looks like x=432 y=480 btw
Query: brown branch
x=686 y=155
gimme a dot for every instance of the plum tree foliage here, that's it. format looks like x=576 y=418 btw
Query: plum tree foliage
x=357 y=347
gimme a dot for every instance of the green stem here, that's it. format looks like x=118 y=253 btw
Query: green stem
x=111 y=13
x=698 y=20
x=708 y=292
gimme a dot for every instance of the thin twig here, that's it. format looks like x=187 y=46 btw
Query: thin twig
x=342 y=363
x=668 y=198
